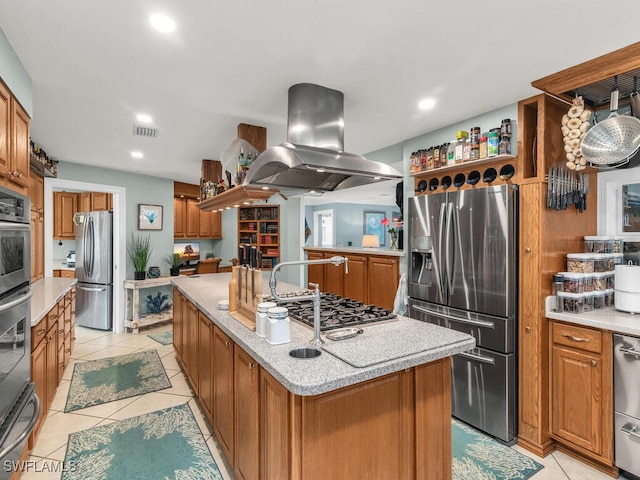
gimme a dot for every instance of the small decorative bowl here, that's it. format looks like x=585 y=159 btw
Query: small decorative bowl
x=153 y=272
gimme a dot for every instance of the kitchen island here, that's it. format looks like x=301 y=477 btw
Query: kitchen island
x=279 y=417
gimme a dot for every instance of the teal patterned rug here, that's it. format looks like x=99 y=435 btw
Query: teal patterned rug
x=479 y=457
x=162 y=445
x=164 y=338
x=100 y=381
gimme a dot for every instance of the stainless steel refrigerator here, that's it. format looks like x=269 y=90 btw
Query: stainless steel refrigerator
x=94 y=269
x=463 y=275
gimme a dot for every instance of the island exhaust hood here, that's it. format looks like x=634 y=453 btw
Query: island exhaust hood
x=313 y=159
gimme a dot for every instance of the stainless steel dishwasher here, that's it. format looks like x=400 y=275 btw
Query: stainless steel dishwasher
x=626 y=373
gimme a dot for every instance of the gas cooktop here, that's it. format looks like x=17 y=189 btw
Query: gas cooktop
x=337 y=312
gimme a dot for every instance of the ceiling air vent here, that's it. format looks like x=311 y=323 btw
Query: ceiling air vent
x=145 y=131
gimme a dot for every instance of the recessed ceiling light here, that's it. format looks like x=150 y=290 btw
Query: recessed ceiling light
x=137 y=154
x=144 y=118
x=377 y=178
x=162 y=23
x=426 y=104
x=320 y=170
x=265 y=188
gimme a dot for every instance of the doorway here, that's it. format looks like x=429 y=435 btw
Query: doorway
x=324 y=234
x=119 y=236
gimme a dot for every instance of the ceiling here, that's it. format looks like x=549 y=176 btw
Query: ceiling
x=95 y=65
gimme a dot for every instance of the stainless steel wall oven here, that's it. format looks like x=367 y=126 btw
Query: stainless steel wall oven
x=19 y=405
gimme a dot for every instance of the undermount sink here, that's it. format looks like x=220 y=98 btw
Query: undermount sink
x=305 y=352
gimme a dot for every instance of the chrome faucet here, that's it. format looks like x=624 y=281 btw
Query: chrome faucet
x=317 y=341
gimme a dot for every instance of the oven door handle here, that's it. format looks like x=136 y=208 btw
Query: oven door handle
x=14 y=303
x=478 y=358
x=477 y=323
x=631 y=430
x=630 y=351
x=32 y=421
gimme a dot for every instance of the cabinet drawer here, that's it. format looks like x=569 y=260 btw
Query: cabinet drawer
x=52 y=317
x=37 y=333
x=577 y=337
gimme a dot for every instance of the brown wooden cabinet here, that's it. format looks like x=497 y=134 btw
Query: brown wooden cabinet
x=14 y=142
x=582 y=390
x=223 y=413
x=36 y=194
x=65 y=206
x=259 y=226
x=371 y=279
x=52 y=343
x=190 y=339
x=205 y=364
x=178 y=321
x=95 y=201
x=188 y=220
x=247 y=419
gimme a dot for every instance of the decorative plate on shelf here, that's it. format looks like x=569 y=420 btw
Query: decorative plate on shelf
x=154 y=272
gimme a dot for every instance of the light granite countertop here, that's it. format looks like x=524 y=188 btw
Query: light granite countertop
x=360 y=250
x=605 y=318
x=325 y=372
x=46 y=293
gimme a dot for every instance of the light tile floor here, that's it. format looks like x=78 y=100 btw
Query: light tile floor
x=50 y=447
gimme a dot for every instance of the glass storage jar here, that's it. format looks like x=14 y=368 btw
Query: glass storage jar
x=618 y=245
x=572 y=282
x=608 y=298
x=598 y=244
x=588 y=302
x=580 y=262
x=602 y=262
x=572 y=302
x=610 y=279
x=587 y=279
x=600 y=281
x=599 y=300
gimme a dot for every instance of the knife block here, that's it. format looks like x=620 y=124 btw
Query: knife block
x=247 y=293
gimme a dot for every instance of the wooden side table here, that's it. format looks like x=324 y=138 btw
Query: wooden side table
x=133 y=320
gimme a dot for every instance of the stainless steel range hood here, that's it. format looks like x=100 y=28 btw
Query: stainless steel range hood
x=313 y=158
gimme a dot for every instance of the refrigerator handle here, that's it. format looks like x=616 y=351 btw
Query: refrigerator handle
x=448 y=249
x=91 y=246
x=441 y=236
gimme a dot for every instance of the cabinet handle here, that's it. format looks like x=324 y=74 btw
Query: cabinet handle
x=68 y=350
x=68 y=320
x=227 y=344
x=594 y=363
x=251 y=365
x=54 y=316
x=41 y=331
x=527 y=329
x=527 y=249
x=576 y=339
x=630 y=430
x=61 y=331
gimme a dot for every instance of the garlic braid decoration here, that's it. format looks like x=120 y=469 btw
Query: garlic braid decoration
x=575 y=124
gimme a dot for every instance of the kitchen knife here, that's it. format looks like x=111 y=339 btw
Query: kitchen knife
x=549 y=184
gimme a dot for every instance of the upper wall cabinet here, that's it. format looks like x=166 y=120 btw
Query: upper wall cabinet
x=65 y=206
x=188 y=220
x=14 y=142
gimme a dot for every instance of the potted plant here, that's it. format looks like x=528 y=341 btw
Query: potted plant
x=174 y=260
x=139 y=250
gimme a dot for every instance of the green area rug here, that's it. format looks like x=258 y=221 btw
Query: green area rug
x=100 y=381
x=166 y=444
x=164 y=338
x=479 y=457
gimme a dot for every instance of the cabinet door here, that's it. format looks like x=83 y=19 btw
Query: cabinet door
x=315 y=273
x=5 y=130
x=20 y=145
x=39 y=377
x=333 y=277
x=384 y=275
x=193 y=219
x=178 y=305
x=110 y=202
x=191 y=343
x=52 y=363
x=36 y=193
x=179 y=217
x=247 y=459
x=64 y=208
x=99 y=201
x=205 y=222
x=216 y=229
x=576 y=390
x=223 y=390
x=355 y=282
x=205 y=364
x=84 y=202
x=274 y=427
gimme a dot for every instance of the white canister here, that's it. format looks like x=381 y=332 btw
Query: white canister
x=627 y=288
x=278 y=326
x=261 y=317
